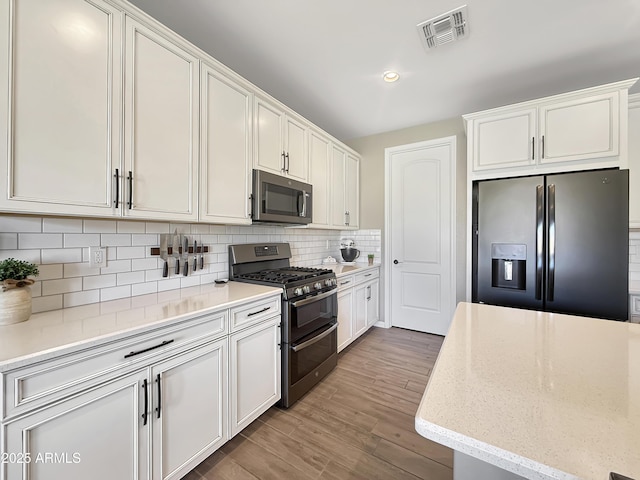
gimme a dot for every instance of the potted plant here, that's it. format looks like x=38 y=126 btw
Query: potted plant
x=370 y=258
x=15 y=297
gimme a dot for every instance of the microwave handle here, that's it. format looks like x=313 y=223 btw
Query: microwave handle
x=302 y=211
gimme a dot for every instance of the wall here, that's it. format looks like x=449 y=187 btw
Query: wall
x=60 y=246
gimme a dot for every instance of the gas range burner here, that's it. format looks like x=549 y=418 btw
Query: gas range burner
x=285 y=275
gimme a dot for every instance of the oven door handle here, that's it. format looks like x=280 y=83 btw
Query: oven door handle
x=308 y=343
x=320 y=296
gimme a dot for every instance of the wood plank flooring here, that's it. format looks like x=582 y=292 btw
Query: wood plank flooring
x=357 y=424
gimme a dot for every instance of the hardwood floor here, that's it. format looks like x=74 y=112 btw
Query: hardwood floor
x=357 y=424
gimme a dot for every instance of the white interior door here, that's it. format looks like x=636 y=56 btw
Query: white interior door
x=419 y=224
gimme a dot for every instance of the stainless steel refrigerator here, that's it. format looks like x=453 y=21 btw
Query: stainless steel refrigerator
x=558 y=243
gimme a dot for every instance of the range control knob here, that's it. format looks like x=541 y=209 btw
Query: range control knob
x=306 y=289
x=327 y=282
x=297 y=291
x=317 y=285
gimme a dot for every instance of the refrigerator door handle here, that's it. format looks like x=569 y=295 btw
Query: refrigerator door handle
x=539 y=239
x=551 y=202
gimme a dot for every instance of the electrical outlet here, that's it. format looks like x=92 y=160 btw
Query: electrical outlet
x=97 y=256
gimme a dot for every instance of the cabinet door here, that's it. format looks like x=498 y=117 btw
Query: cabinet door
x=320 y=168
x=352 y=190
x=360 y=310
x=161 y=126
x=60 y=111
x=98 y=435
x=255 y=372
x=373 y=302
x=580 y=129
x=338 y=199
x=268 y=145
x=505 y=140
x=225 y=156
x=345 y=318
x=634 y=162
x=296 y=150
x=189 y=409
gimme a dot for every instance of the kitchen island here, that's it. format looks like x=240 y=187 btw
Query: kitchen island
x=526 y=394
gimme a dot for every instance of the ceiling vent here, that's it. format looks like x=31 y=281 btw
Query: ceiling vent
x=445 y=28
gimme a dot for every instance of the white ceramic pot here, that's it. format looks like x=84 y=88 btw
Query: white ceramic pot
x=15 y=305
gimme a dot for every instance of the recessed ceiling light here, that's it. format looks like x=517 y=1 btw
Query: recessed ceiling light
x=390 y=76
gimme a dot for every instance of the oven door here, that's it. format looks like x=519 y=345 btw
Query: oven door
x=308 y=361
x=310 y=314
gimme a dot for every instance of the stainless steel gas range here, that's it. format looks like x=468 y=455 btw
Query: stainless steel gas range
x=310 y=312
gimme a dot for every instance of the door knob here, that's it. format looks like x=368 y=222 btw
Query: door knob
x=395 y=262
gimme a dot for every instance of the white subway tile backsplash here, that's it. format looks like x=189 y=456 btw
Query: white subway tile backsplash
x=150 y=263
x=81 y=240
x=99 y=226
x=114 y=293
x=80 y=270
x=62 y=225
x=44 y=304
x=154 y=227
x=115 y=240
x=20 y=224
x=144 y=288
x=129 y=278
x=61 y=255
x=123 y=253
x=190 y=281
x=65 y=285
x=171 y=284
x=81 y=298
x=25 y=255
x=50 y=272
x=116 y=266
x=99 y=281
x=8 y=241
x=131 y=227
x=39 y=240
x=144 y=239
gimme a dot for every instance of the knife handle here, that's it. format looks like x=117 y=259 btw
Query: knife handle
x=185 y=272
x=195 y=263
x=177 y=266
x=165 y=269
x=201 y=261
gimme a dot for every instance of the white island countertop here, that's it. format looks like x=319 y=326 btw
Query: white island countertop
x=542 y=395
x=48 y=334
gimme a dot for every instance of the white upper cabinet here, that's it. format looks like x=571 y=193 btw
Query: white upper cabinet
x=504 y=140
x=280 y=141
x=225 y=149
x=586 y=129
x=60 y=106
x=352 y=190
x=345 y=181
x=320 y=150
x=580 y=129
x=161 y=126
x=634 y=161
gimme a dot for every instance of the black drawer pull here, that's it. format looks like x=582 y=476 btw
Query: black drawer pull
x=133 y=354
x=159 y=395
x=259 y=311
x=146 y=401
x=117 y=175
x=130 y=178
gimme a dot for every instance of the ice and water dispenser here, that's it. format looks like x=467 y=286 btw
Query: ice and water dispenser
x=509 y=265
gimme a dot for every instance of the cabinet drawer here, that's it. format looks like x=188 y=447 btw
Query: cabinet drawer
x=635 y=305
x=346 y=281
x=367 y=275
x=35 y=385
x=246 y=315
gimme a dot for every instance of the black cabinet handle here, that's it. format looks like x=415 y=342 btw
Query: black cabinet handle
x=133 y=354
x=159 y=407
x=533 y=148
x=284 y=163
x=259 y=311
x=130 y=178
x=146 y=401
x=287 y=162
x=542 y=146
x=117 y=175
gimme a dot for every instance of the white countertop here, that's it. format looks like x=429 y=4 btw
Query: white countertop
x=341 y=269
x=545 y=396
x=48 y=334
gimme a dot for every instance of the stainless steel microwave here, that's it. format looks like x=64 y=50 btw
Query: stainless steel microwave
x=278 y=199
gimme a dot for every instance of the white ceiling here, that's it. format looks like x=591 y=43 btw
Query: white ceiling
x=325 y=58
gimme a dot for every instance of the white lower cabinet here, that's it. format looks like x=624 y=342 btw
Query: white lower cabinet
x=189 y=409
x=150 y=406
x=358 y=304
x=255 y=372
